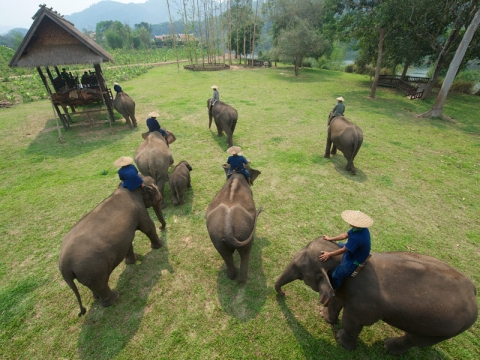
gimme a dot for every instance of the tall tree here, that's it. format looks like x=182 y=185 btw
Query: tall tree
x=437 y=109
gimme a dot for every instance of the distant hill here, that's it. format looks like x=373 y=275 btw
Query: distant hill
x=152 y=12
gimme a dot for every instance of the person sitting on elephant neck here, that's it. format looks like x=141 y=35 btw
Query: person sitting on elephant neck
x=153 y=125
x=117 y=88
x=128 y=173
x=237 y=163
x=357 y=249
x=215 y=96
x=339 y=109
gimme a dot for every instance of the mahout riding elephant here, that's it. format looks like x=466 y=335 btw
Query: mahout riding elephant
x=419 y=294
x=225 y=119
x=153 y=158
x=103 y=238
x=231 y=220
x=125 y=105
x=344 y=136
x=180 y=181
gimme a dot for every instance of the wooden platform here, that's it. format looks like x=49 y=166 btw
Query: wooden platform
x=409 y=84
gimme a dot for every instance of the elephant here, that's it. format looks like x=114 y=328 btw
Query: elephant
x=153 y=158
x=344 y=136
x=225 y=119
x=231 y=221
x=125 y=105
x=419 y=294
x=101 y=239
x=180 y=181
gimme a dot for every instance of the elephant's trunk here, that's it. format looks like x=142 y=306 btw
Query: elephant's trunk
x=289 y=274
x=209 y=119
x=158 y=211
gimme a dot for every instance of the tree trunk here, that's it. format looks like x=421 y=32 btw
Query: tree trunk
x=442 y=57
x=437 y=109
x=172 y=29
x=381 y=39
x=405 y=69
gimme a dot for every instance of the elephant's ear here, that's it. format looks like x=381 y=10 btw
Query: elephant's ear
x=152 y=196
x=325 y=288
x=254 y=174
x=145 y=135
x=170 y=137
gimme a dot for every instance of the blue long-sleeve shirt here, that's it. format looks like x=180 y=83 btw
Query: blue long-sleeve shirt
x=129 y=175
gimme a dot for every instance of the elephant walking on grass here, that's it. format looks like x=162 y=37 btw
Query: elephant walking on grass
x=225 y=117
x=231 y=221
x=125 y=105
x=95 y=246
x=180 y=181
x=418 y=294
x=153 y=158
x=344 y=136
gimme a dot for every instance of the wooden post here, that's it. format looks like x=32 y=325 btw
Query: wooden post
x=44 y=80
x=106 y=98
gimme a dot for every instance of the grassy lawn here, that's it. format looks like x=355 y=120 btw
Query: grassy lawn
x=418 y=179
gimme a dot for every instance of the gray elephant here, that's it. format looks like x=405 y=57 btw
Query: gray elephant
x=424 y=297
x=103 y=238
x=125 y=105
x=180 y=181
x=153 y=158
x=231 y=221
x=225 y=117
x=344 y=136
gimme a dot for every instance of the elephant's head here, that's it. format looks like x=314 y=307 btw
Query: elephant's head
x=153 y=198
x=253 y=172
x=170 y=137
x=308 y=267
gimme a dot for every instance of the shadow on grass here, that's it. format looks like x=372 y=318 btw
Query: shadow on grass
x=221 y=140
x=82 y=137
x=339 y=163
x=244 y=301
x=312 y=347
x=106 y=331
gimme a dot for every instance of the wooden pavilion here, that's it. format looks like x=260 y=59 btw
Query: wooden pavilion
x=53 y=41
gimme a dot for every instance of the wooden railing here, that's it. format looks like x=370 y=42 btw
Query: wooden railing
x=404 y=84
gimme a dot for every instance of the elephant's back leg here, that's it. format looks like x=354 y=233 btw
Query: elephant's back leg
x=244 y=252
x=226 y=252
x=98 y=284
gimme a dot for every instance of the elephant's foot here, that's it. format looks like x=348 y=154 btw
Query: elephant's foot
x=157 y=245
x=232 y=274
x=95 y=296
x=326 y=156
x=333 y=153
x=131 y=259
x=326 y=316
x=242 y=278
x=111 y=299
x=346 y=341
x=395 y=345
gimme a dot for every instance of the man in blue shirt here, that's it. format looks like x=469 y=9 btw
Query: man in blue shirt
x=355 y=251
x=154 y=125
x=237 y=163
x=128 y=173
x=117 y=88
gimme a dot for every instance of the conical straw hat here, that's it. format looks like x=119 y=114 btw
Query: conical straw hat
x=234 y=150
x=123 y=161
x=357 y=218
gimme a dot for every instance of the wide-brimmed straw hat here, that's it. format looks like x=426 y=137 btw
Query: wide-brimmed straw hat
x=154 y=114
x=234 y=150
x=340 y=98
x=123 y=161
x=115 y=83
x=214 y=87
x=357 y=218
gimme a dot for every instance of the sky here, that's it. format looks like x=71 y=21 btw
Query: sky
x=18 y=13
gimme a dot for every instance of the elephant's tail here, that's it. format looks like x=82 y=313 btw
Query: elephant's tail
x=69 y=280
x=356 y=144
x=232 y=240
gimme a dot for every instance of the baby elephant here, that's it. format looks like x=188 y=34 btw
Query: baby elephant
x=180 y=181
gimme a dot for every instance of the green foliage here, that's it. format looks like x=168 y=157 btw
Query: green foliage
x=417 y=179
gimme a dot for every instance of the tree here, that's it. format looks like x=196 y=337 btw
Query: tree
x=297 y=43
x=437 y=109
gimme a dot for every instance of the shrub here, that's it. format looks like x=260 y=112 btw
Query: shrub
x=462 y=86
x=350 y=68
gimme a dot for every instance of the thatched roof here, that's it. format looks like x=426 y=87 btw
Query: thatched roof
x=52 y=40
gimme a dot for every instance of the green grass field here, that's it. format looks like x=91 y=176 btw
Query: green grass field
x=418 y=179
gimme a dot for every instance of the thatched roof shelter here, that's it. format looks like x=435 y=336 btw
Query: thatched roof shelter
x=52 y=40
